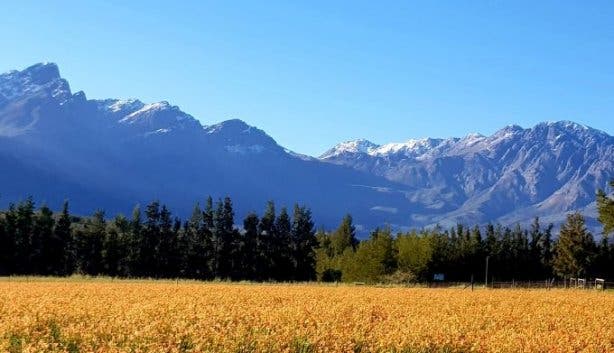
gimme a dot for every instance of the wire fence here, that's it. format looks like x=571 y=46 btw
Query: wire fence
x=568 y=283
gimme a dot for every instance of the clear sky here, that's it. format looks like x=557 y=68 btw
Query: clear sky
x=317 y=73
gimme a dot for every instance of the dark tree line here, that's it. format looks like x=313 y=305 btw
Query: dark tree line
x=279 y=246
x=154 y=243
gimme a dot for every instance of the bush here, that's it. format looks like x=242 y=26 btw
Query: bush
x=331 y=275
x=399 y=277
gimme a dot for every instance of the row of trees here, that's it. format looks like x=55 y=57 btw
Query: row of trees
x=155 y=244
x=461 y=252
x=284 y=247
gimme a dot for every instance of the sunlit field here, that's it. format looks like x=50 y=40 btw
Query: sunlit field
x=149 y=316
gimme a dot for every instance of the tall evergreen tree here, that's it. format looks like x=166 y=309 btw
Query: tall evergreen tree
x=193 y=244
x=266 y=232
x=89 y=241
x=575 y=248
x=345 y=236
x=283 y=247
x=303 y=236
x=23 y=227
x=249 y=246
x=112 y=247
x=62 y=252
x=43 y=243
x=122 y=226
x=224 y=239
x=150 y=246
x=135 y=244
x=232 y=244
x=166 y=259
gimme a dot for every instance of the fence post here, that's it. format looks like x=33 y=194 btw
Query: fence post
x=486 y=277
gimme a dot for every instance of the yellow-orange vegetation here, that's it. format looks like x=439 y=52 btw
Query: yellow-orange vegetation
x=150 y=316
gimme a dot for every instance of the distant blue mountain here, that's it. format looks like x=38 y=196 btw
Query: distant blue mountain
x=56 y=145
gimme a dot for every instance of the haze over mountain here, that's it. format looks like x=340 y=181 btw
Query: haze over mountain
x=55 y=144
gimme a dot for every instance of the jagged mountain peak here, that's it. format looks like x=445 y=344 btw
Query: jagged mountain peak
x=350 y=146
x=508 y=131
x=39 y=73
x=473 y=142
x=566 y=127
x=41 y=79
x=42 y=73
x=565 y=124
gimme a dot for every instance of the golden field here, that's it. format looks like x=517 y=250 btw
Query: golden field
x=149 y=316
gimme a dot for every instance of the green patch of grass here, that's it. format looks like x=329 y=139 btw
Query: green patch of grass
x=302 y=345
x=186 y=344
x=15 y=343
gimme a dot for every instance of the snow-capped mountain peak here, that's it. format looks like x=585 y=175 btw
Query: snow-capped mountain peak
x=412 y=147
x=37 y=80
x=351 y=146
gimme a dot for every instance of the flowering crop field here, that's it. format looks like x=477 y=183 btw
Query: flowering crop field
x=162 y=316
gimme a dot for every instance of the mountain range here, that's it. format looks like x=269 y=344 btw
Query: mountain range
x=112 y=154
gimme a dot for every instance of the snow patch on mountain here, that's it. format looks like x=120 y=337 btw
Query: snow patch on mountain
x=126 y=106
x=37 y=80
x=352 y=146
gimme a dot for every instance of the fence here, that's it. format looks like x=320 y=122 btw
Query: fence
x=570 y=283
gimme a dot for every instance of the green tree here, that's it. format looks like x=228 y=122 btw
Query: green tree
x=62 y=249
x=23 y=216
x=575 y=248
x=283 y=262
x=305 y=242
x=89 y=242
x=415 y=253
x=373 y=259
x=167 y=256
x=264 y=250
x=224 y=238
x=43 y=242
x=540 y=249
x=150 y=244
x=605 y=207
x=344 y=237
x=121 y=225
x=193 y=246
x=112 y=247
x=135 y=244
x=249 y=246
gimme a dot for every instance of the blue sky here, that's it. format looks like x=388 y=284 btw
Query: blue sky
x=317 y=73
